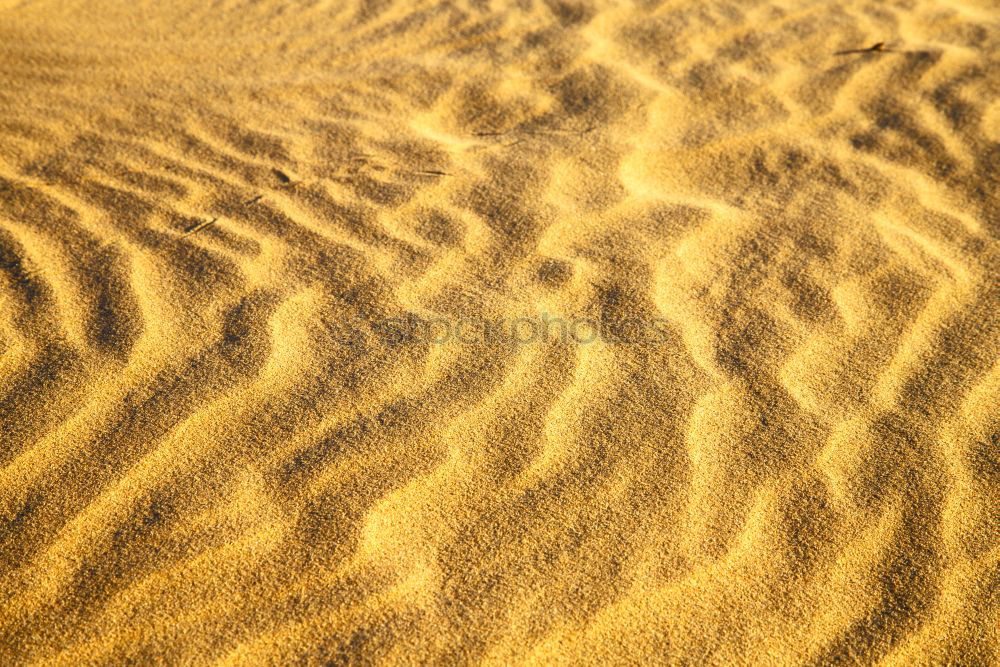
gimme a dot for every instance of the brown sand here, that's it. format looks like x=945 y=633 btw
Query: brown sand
x=195 y=195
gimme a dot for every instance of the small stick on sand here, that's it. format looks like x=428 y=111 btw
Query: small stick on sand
x=877 y=47
x=541 y=132
x=285 y=180
x=197 y=228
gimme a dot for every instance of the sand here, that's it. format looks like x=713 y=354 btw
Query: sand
x=269 y=275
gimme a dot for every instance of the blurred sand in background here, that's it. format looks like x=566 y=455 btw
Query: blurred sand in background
x=194 y=196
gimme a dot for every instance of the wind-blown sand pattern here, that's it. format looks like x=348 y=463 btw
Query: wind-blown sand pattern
x=197 y=467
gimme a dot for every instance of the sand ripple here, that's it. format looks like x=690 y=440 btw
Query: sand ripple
x=198 y=467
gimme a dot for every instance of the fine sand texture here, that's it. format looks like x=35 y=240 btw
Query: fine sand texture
x=215 y=450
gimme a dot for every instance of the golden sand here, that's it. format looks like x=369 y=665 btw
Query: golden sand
x=198 y=466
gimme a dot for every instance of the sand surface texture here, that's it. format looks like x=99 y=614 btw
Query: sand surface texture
x=198 y=465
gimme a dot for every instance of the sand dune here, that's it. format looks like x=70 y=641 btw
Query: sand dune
x=231 y=432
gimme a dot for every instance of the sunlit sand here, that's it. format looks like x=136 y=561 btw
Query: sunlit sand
x=499 y=332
